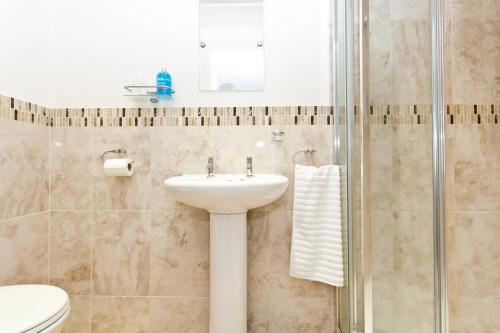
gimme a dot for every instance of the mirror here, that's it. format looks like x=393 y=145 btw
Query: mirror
x=231 y=45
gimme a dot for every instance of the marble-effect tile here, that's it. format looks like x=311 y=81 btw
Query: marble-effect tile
x=476 y=60
x=70 y=258
x=180 y=253
x=24 y=169
x=70 y=168
x=122 y=193
x=172 y=315
x=120 y=314
x=308 y=315
x=176 y=151
x=120 y=253
x=410 y=62
x=78 y=320
x=476 y=168
x=24 y=249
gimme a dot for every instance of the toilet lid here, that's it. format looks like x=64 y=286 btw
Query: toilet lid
x=31 y=308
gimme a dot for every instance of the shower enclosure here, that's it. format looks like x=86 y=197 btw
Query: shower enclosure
x=418 y=100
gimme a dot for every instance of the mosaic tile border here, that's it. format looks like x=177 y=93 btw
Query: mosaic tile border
x=14 y=109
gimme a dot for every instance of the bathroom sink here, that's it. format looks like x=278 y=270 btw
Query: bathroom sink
x=227 y=193
x=228 y=197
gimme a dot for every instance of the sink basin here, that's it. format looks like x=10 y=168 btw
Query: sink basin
x=227 y=197
x=227 y=193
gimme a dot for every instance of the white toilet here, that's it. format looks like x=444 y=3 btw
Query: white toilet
x=33 y=309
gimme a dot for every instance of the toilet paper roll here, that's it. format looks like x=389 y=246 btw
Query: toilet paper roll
x=122 y=167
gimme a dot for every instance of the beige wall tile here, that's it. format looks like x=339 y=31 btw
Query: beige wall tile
x=230 y=147
x=78 y=320
x=269 y=240
x=383 y=255
x=473 y=252
x=120 y=314
x=414 y=316
x=475 y=236
x=23 y=249
x=410 y=10
x=450 y=148
x=381 y=167
x=384 y=316
x=475 y=9
x=412 y=167
x=380 y=9
x=70 y=259
x=476 y=167
x=23 y=169
x=285 y=314
x=473 y=317
x=175 y=315
x=410 y=62
x=176 y=151
x=180 y=253
x=380 y=60
x=120 y=253
x=414 y=260
x=448 y=55
x=70 y=168
x=129 y=193
x=476 y=60
x=478 y=284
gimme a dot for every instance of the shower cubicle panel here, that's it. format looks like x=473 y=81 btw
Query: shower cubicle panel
x=394 y=133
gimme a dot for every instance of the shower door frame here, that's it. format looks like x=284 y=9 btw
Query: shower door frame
x=439 y=167
x=363 y=322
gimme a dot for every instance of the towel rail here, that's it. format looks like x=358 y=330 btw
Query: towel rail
x=305 y=151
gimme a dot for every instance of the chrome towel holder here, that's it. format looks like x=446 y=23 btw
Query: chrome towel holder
x=305 y=151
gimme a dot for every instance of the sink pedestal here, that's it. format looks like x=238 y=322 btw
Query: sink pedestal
x=228 y=273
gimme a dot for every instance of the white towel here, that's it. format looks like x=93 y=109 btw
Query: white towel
x=316 y=252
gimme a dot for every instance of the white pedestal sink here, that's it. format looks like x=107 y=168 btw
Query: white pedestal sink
x=228 y=198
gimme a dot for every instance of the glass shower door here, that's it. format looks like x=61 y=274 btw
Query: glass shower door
x=389 y=129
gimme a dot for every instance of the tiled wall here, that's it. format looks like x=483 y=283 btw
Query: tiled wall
x=474 y=228
x=130 y=256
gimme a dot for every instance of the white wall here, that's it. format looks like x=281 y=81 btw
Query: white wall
x=24 y=50
x=96 y=47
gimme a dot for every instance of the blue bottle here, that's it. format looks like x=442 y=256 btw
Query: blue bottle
x=164 y=84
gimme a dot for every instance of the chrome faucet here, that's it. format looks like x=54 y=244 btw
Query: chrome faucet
x=210 y=167
x=249 y=167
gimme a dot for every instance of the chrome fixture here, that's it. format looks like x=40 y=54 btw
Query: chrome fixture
x=210 y=167
x=439 y=166
x=249 y=167
x=305 y=151
x=113 y=151
x=277 y=135
x=151 y=93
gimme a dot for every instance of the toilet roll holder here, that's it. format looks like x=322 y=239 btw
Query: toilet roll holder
x=113 y=151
